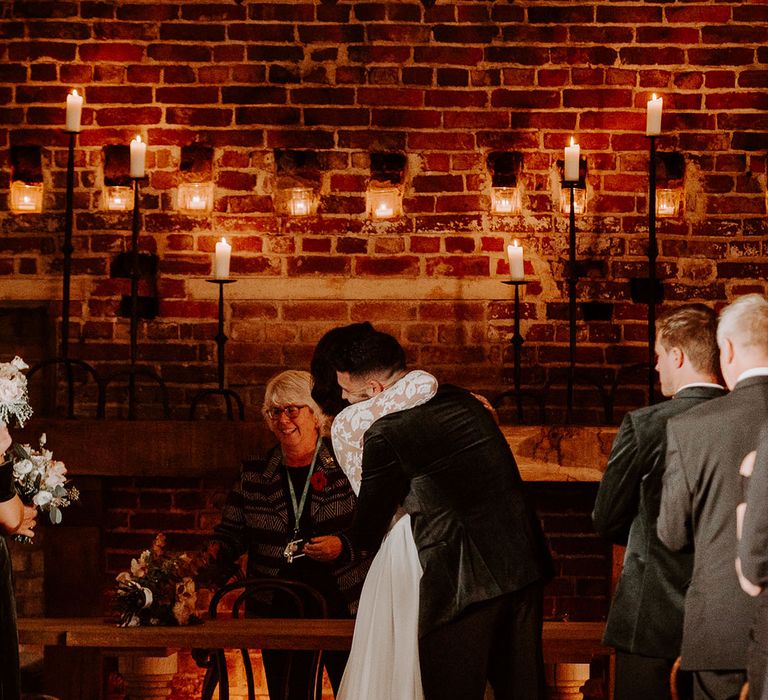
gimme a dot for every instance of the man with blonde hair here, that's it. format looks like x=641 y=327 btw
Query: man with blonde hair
x=645 y=623
x=702 y=487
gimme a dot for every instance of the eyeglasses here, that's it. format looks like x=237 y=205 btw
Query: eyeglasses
x=292 y=411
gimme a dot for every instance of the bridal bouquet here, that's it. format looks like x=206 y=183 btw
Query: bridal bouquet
x=14 y=400
x=41 y=480
x=159 y=589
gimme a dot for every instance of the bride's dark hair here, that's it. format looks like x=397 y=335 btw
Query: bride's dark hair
x=325 y=389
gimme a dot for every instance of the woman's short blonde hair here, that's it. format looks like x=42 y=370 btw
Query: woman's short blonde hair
x=293 y=386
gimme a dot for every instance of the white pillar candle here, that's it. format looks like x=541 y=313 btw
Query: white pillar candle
x=74 y=111
x=653 y=116
x=516 y=265
x=571 y=170
x=221 y=260
x=138 y=157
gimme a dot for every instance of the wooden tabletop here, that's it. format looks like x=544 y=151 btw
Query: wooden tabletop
x=573 y=642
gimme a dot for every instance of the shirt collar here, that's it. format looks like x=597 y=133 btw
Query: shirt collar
x=706 y=385
x=754 y=372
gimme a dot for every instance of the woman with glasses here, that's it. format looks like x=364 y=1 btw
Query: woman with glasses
x=285 y=512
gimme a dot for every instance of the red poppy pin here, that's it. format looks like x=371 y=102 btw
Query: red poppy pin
x=319 y=481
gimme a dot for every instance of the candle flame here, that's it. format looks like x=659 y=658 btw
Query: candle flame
x=571 y=140
x=137 y=139
x=223 y=240
x=515 y=243
x=74 y=92
x=653 y=96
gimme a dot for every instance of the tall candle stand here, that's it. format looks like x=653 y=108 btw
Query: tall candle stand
x=517 y=341
x=572 y=280
x=653 y=252
x=67 y=248
x=133 y=371
x=221 y=340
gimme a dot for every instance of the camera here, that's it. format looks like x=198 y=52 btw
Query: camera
x=294 y=549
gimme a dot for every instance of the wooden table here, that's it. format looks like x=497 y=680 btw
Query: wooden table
x=147 y=655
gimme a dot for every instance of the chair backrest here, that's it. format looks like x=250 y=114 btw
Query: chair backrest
x=253 y=597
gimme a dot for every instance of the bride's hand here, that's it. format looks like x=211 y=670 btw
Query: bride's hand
x=326 y=548
x=28 y=522
x=5 y=438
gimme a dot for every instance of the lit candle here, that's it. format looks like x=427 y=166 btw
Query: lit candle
x=221 y=260
x=384 y=211
x=138 y=156
x=196 y=202
x=74 y=110
x=504 y=204
x=516 y=266
x=299 y=207
x=572 y=153
x=653 y=116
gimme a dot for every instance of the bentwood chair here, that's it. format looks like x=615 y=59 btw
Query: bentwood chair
x=679 y=694
x=253 y=597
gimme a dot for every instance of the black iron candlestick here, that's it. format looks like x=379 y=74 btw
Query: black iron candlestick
x=653 y=252
x=572 y=280
x=517 y=341
x=221 y=340
x=135 y=276
x=67 y=248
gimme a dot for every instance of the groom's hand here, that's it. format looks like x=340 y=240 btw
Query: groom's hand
x=326 y=548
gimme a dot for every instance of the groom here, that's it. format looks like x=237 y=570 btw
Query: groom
x=480 y=543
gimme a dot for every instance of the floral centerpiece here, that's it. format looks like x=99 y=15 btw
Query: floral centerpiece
x=159 y=589
x=41 y=480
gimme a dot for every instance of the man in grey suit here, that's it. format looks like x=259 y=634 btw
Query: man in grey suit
x=752 y=562
x=645 y=623
x=702 y=487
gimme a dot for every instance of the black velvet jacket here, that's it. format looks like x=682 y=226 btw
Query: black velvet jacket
x=450 y=466
x=9 y=641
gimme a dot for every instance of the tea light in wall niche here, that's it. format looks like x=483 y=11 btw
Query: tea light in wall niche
x=571 y=168
x=668 y=202
x=221 y=260
x=26 y=198
x=300 y=201
x=195 y=197
x=516 y=264
x=383 y=203
x=118 y=198
x=505 y=200
x=653 y=116
x=74 y=111
x=138 y=157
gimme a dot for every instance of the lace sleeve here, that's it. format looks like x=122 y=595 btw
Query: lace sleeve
x=415 y=388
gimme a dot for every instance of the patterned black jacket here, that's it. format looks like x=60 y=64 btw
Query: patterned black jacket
x=256 y=520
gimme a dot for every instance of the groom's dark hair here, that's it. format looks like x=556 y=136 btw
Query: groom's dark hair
x=370 y=353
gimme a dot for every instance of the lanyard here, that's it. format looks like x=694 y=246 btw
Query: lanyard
x=298 y=509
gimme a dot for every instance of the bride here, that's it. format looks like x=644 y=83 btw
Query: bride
x=384 y=661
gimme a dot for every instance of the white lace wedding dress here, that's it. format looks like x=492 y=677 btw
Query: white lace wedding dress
x=384 y=661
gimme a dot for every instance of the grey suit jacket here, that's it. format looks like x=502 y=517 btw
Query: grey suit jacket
x=702 y=488
x=646 y=615
x=753 y=546
x=477 y=536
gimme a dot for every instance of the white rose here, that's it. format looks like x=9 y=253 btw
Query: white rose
x=23 y=467
x=18 y=363
x=42 y=498
x=9 y=392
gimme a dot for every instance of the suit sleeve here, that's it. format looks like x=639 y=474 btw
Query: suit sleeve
x=753 y=546
x=382 y=490
x=618 y=495
x=674 y=526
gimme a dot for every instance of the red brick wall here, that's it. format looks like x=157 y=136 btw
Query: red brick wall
x=445 y=86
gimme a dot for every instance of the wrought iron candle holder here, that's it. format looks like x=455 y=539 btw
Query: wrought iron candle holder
x=517 y=341
x=653 y=252
x=67 y=248
x=221 y=340
x=133 y=371
x=573 y=279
